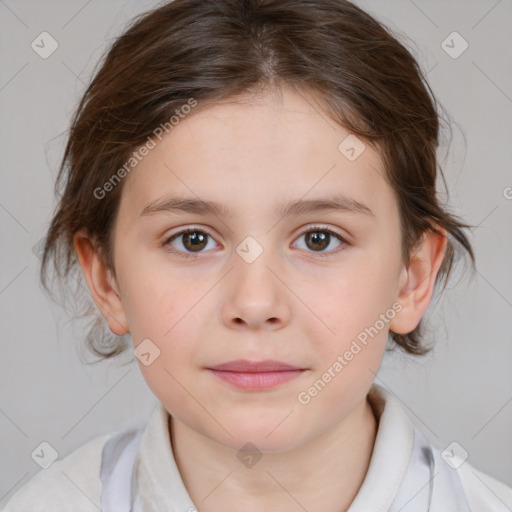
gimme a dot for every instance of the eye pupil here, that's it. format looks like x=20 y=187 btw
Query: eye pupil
x=318 y=237
x=196 y=238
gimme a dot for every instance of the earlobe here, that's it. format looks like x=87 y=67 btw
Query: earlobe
x=417 y=280
x=101 y=283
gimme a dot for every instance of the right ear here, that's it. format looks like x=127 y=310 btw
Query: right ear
x=102 y=285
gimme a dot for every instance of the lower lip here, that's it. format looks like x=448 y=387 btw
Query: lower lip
x=258 y=380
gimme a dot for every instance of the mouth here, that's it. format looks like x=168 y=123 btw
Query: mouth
x=256 y=375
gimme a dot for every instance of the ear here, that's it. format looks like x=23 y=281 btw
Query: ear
x=417 y=280
x=101 y=283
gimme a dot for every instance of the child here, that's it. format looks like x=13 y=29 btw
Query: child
x=254 y=131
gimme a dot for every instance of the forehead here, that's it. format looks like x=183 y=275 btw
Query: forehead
x=254 y=151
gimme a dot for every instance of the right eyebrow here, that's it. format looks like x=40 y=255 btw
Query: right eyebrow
x=185 y=204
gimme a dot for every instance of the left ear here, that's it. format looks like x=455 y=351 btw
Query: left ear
x=417 y=281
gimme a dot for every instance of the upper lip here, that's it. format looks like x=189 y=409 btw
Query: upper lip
x=243 y=365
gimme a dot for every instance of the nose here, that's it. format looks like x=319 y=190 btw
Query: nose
x=254 y=297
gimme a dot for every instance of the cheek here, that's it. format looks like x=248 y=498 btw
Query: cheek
x=166 y=376
x=348 y=302
x=150 y=299
x=349 y=353
x=164 y=331
x=350 y=333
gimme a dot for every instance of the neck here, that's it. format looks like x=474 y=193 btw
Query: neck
x=324 y=474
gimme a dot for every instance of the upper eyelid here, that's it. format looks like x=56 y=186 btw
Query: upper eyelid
x=189 y=229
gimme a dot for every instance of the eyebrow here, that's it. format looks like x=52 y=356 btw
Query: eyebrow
x=337 y=202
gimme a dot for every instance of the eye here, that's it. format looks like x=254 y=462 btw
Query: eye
x=192 y=240
x=319 y=238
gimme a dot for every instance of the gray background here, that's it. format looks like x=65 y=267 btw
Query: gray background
x=462 y=392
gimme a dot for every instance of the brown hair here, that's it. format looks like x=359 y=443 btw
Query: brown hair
x=211 y=50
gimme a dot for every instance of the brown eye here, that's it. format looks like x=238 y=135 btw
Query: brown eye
x=194 y=240
x=319 y=239
x=187 y=242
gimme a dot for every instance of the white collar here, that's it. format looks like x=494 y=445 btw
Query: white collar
x=391 y=453
x=161 y=486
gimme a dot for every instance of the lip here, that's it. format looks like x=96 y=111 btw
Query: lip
x=243 y=365
x=256 y=375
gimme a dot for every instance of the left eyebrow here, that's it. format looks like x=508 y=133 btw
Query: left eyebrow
x=337 y=202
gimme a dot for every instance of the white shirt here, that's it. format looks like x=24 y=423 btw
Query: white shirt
x=398 y=477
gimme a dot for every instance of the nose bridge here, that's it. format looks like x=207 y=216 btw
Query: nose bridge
x=253 y=260
x=255 y=296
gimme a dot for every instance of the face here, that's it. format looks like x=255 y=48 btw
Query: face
x=254 y=281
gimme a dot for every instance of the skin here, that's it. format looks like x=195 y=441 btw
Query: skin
x=290 y=304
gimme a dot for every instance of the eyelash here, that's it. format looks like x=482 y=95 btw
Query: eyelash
x=190 y=256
